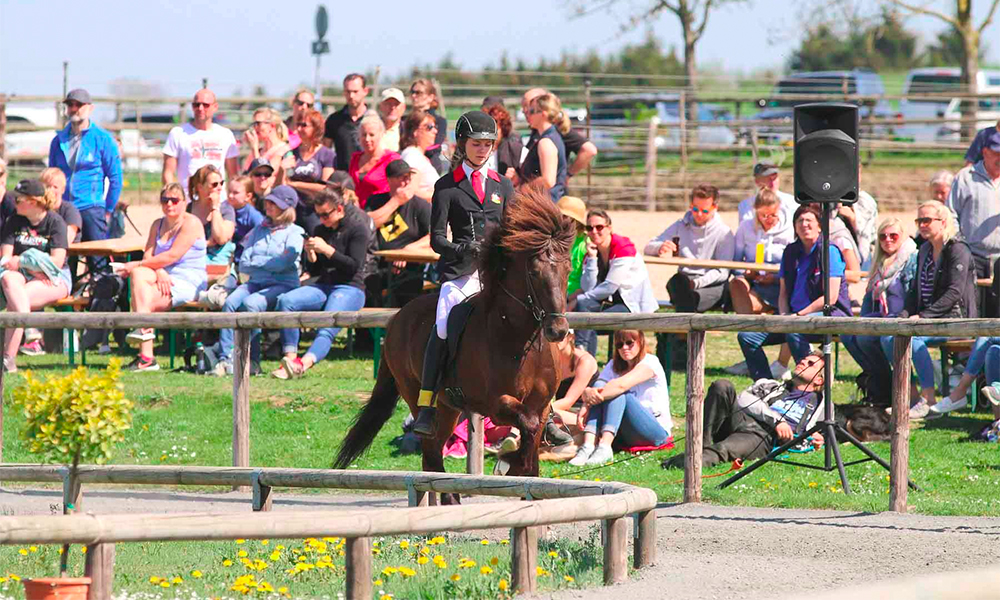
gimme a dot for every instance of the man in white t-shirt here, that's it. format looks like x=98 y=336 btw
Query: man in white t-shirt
x=765 y=176
x=201 y=142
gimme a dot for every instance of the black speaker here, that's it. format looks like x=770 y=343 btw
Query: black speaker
x=826 y=153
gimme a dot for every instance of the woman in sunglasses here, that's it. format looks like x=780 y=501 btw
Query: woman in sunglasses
x=309 y=166
x=944 y=287
x=424 y=96
x=267 y=138
x=217 y=217
x=546 y=157
x=419 y=132
x=614 y=278
x=171 y=272
x=630 y=403
x=894 y=266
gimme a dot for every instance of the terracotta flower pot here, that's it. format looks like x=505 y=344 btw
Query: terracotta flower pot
x=63 y=588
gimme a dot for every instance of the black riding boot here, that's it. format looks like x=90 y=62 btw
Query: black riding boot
x=425 y=425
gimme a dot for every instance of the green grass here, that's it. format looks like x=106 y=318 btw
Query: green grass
x=183 y=419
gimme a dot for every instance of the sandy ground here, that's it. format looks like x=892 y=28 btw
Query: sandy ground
x=704 y=551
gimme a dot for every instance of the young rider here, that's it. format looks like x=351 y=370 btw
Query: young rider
x=466 y=199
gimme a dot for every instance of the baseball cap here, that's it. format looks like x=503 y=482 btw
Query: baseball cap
x=283 y=196
x=394 y=93
x=574 y=208
x=258 y=163
x=763 y=169
x=398 y=168
x=993 y=141
x=78 y=95
x=30 y=187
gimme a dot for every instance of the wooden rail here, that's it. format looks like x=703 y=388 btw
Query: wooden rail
x=551 y=502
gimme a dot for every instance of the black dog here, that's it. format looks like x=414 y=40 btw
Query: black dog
x=865 y=422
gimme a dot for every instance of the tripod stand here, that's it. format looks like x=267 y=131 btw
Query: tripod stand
x=827 y=427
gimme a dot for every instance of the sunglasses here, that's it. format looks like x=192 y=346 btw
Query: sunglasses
x=925 y=220
x=888 y=237
x=430 y=127
x=200 y=104
x=595 y=228
x=261 y=175
x=704 y=211
x=324 y=215
x=625 y=344
x=418 y=93
x=72 y=104
x=305 y=104
x=215 y=184
x=302 y=124
x=170 y=200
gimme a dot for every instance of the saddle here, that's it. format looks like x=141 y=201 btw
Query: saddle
x=458 y=318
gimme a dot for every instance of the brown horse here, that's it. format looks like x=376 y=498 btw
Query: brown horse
x=506 y=366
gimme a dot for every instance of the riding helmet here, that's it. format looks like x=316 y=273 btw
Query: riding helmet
x=476 y=125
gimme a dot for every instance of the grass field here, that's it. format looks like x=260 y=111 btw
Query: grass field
x=184 y=419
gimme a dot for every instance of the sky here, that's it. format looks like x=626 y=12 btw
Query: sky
x=238 y=45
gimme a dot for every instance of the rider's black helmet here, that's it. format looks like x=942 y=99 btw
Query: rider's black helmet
x=476 y=125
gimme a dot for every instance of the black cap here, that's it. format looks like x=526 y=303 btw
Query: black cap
x=30 y=187
x=398 y=168
x=78 y=95
x=476 y=125
x=258 y=163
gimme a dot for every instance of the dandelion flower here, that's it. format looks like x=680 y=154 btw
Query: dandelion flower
x=227 y=563
x=504 y=542
x=164 y=584
x=155 y=580
x=403 y=544
x=422 y=560
x=176 y=580
x=241 y=541
x=436 y=540
x=378 y=582
x=485 y=570
x=553 y=554
x=503 y=585
x=485 y=542
x=389 y=571
x=33 y=549
x=265 y=587
x=197 y=574
x=456 y=577
x=407 y=572
x=275 y=555
x=494 y=561
x=568 y=578
x=22 y=552
x=265 y=542
x=242 y=554
x=541 y=572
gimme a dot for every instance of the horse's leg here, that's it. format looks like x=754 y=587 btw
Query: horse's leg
x=433 y=461
x=525 y=460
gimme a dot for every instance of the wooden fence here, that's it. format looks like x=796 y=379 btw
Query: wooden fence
x=549 y=502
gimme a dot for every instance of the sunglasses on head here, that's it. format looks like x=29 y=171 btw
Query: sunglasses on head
x=890 y=237
x=596 y=228
x=925 y=220
x=625 y=343
x=170 y=200
x=200 y=104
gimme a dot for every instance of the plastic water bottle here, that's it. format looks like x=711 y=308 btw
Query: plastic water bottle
x=199 y=352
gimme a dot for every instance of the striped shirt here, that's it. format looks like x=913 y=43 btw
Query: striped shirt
x=927 y=272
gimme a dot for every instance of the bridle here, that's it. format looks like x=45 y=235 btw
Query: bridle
x=532 y=306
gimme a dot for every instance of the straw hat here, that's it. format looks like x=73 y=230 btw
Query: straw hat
x=574 y=208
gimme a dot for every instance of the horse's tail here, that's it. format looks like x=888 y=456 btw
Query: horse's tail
x=370 y=420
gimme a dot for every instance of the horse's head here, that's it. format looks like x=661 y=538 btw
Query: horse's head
x=527 y=259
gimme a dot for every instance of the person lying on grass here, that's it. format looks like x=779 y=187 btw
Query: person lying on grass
x=630 y=402
x=766 y=414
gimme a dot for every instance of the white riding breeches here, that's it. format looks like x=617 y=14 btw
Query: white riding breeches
x=453 y=292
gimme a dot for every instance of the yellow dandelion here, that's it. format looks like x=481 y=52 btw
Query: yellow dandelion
x=485 y=542
x=423 y=560
x=33 y=549
x=275 y=555
x=385 y=597
x=227 y=563
x=503 y=585
x=279 y=547
x=242 y=554
x=485 y=570
x=265 y=587
x=14 y=577
x=155 y=580
x=407 y=572
x=494 y=561
x=389 y=571
x=541 y=572
x=504 y=542
x=553 y=554
x=441 y=565
x=283 y=590
x=241 y=541
x=197 y=574
x=265 y=542
x=403 y=544
x=375 y=551
x=435 y=540
x=83 y=550
x=568 y=579
x=813 y=484
x=425 y=550
x=176 y=580
x=378 y=582
x=456 y=577
x=164 y=584
x=23 y=552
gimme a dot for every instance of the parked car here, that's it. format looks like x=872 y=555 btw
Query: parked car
x=30 y=146
x=940 y=80
x=618 y=122
x=836 y=84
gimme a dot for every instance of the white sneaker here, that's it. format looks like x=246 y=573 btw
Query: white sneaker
x=946 y=405
x=739 y=368
x=919 y=410
x=138 y=336
x=9 y=366
x=602 y=455
x=992 y=393
x=222 y=368
x=582 y=454
x=31 y=334
x=778 y=370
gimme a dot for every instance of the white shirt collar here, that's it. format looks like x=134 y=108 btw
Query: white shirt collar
x=484 y=170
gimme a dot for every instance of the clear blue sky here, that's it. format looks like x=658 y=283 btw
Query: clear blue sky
x=241 y=44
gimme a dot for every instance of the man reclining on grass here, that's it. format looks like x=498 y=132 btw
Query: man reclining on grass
x=767 y=414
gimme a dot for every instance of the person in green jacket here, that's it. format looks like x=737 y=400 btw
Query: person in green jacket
x=575 y=209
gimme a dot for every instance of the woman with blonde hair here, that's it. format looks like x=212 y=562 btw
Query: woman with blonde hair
x=54 y=180
x=267 y=138
x=546 y=152
x=944 y=287
x=33 y=247
x=424 y=95
x=367 y=167
x=217 y=217
x=940 y=185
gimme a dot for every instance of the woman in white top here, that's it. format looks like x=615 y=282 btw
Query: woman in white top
x=630 y=402
x=419 y=131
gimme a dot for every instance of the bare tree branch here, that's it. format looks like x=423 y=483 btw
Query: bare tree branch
x=989 y=17
x=704 y=20
x=931 y=13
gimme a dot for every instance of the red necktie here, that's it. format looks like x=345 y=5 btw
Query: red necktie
x=477 y=186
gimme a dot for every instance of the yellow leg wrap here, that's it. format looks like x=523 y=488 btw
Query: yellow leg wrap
x=426 y=398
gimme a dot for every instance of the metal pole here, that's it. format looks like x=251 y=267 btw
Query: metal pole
x=319 y=91
x=65 y=78
x=830 y=443
x=586 y=93
x=204 y=83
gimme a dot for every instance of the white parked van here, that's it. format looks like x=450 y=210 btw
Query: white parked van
x=945 y=79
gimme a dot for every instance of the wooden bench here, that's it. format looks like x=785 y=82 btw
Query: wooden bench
x=73 y=304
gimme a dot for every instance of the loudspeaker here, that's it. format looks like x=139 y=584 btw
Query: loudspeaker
x=826 y=153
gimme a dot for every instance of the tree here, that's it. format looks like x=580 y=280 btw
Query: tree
x=970 y=34
x=832 y=42
x=946 y=51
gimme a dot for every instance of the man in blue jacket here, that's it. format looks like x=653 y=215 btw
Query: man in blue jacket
x=87 y=155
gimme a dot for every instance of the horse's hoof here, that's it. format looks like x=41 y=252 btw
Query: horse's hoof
x=501 y=468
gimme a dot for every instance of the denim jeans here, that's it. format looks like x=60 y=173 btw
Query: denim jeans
x=867 y=351
x=977 y=359
x=95 y=227
x=923 y=364
x=249 y=297
x=752 y=343
x=327 y=298
x=628 y=419
x=587 y=338
x=993 y=365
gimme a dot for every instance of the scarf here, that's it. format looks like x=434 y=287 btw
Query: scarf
x=883 y=276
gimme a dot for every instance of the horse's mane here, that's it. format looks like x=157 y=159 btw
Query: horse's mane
x=531 y=224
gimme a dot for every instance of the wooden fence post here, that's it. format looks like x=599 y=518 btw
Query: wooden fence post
x=651 y=165
x=524 y=559
x=262 y=499
x=358 y=559
x=241 y=400
x=615 y=550
x=100 y=567
x=477 y=438
x=644 y=539
x=899 y=458
x=695 y=408
x=682 y=114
